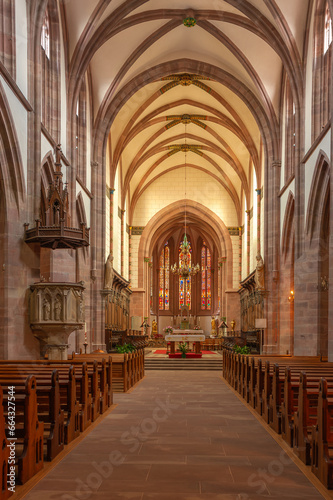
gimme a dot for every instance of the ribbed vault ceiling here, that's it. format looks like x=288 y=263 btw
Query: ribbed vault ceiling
x=135 y=52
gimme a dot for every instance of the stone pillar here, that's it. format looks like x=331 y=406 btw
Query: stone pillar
x=240 y=254
x=272 y=263
x=111 y=220
x=223 y=310
x=130 y=255
x=258 y=221
x=248 y=242
x=122 y=242
x=146 y=311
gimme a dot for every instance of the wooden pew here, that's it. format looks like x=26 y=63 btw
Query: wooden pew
x=322 y=437
x=49 y=410
x=29 y=430
x=4 y=454
x=82 y=394
x=105 y=369
x=305 y=418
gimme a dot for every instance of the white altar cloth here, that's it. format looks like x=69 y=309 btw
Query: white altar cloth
x=188 y=332
x=185 y=338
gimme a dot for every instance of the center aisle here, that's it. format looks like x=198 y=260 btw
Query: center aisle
x=179 y=435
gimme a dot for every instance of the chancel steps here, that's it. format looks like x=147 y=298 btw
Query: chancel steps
x=154 y=363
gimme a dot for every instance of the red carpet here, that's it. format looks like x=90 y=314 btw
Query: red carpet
x=163 y=351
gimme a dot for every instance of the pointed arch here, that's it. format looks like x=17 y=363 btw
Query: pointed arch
x=195 y=211
x=11 y=167
x=318 y=195
x=288 y=226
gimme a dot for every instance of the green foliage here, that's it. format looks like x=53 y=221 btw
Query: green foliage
x=183 y=347
x=125 y=348
x=242 y=350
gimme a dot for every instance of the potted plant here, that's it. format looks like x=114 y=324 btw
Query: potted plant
x=183 y=348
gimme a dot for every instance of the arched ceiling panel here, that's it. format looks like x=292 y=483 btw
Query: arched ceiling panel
x=78 y=12
x=186 y=5
x=193 y=93
x=194 y=43
x=295 y=13
x=223 y=77
x=264 y=60
x=109 y=59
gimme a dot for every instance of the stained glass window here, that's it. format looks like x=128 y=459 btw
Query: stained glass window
x=206 y=278
x=164 y=279
x=185 y=284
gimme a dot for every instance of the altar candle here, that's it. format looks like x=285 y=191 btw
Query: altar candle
x=85 y=331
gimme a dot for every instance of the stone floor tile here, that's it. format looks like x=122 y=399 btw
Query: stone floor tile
x=178 y=436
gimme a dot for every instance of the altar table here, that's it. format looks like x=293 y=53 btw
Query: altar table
x=185 y=337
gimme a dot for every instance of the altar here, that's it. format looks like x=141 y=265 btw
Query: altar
x=186 y=336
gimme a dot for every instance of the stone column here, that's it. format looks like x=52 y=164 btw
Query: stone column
x=258 y=220
x=122 y=242
x=111 y=220
x=272 y=262
x=248 y=242
x=146 y=311
x=240 y=254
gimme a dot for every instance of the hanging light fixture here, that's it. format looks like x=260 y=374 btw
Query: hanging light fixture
x=185 y=269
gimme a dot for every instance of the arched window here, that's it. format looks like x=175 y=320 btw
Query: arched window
x=45 y=36
x=50 y=71
x=206 y=278
x=164 y=279
x=328 y=30
x=185 y=284
x=290 y=135
x=7 y=36
x=80 y=133
x=322 y=68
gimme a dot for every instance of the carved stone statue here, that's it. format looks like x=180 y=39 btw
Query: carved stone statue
x=57 y=309
x=260 y=275
x=108 y=276
x=81 y=310
x=46 y=310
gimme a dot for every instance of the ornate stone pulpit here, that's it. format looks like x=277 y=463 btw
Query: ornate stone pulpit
x=56 y=310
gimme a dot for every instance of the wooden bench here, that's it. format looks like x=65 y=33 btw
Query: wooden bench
x=29 y=430
x=66 y=386
x=4 y=455
x=49 y=410
x=322 y=436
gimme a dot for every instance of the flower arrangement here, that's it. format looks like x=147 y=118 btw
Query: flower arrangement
x=168 y=330
x=183 y=347
x=196 y=327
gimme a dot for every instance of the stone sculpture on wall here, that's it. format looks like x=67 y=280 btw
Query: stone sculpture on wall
x=57 y=309
x=260 y=273
x=46 y=309
x=108 y=276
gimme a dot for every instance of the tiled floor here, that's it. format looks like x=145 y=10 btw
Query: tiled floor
x=180 y=435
